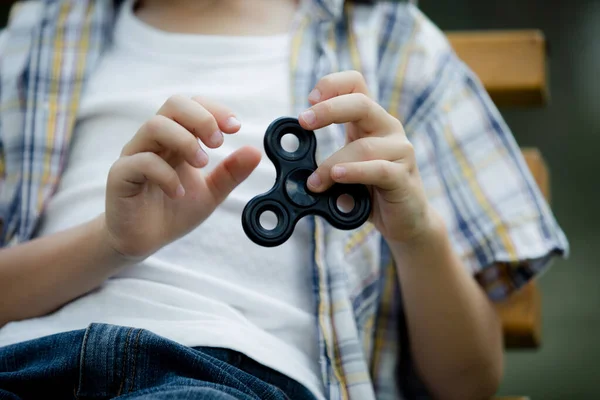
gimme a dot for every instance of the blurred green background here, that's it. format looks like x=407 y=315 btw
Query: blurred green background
x=567 y=131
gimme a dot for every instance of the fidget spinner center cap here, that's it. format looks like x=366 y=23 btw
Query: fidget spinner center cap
x=296 y=190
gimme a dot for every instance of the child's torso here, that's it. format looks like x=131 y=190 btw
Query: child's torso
x=213 y=287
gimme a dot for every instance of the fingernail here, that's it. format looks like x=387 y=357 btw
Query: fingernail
x=314 y=180
x=314 y=96
x=180 y=191
x=201 y=157
x=338 y=172
x=216 y=138
x=232 y=122
x=309 y=117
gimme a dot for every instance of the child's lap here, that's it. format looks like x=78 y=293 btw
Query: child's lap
x=107 y=361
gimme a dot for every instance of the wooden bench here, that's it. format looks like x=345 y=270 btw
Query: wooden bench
x=511 y=64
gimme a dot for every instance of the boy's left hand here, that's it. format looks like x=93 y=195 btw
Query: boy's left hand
x=377 y=154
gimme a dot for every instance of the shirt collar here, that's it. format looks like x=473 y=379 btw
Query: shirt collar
x=328 y=9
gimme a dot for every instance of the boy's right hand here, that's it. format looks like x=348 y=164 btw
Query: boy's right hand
x=156 y=191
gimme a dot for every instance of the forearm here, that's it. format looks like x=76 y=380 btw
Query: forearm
x=43 y=274
x=454 y=331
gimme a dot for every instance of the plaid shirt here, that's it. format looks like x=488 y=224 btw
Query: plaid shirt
x=471 y=166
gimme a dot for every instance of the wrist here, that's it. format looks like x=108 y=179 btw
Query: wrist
x=432 y=235
x=107 y=246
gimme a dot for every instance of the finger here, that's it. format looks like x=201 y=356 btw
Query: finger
x=363 y=149
x=337 y=84
x=226 y=119
x=386 y=175
x=195 y=118
x=163 y=135
x=231 y=172
x=369 y=116
x=128 y=175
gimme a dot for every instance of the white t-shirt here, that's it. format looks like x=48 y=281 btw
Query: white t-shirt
x=214 y=287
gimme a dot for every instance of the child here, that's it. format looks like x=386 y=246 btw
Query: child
x=131 y=136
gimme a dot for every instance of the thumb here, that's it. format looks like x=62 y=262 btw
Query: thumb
x=231 y=172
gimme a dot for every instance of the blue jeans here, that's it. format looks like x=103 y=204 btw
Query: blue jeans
x=107 y=361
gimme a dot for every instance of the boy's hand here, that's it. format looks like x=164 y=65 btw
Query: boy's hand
x=377 y=154
x=156 y=192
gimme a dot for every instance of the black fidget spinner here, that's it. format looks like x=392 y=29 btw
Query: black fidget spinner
x=289 y=198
